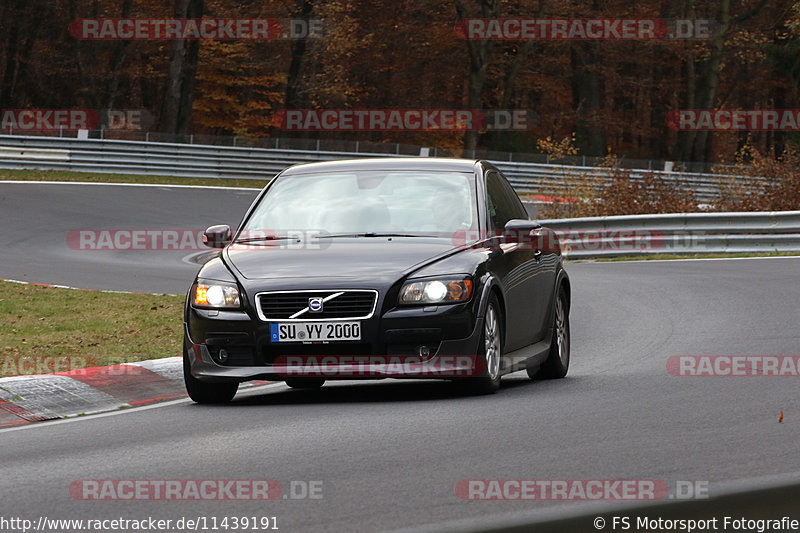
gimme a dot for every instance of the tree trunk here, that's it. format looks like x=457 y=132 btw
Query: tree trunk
x=587 y=89
x=10 y=72
x=294 y=98
x=707 y=91
x=176 y=109
x=118 y=60
x=704 y=82
x=479 y=54
x=88 y=84
x=189 y=74
x=31 y=35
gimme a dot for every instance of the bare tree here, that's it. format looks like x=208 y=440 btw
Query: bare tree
x=480 y=52
x=176 y=109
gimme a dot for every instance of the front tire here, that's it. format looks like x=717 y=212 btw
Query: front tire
x=490 y=349
x=202 y=392
x=557 y=363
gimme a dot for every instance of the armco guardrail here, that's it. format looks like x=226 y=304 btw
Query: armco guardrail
x=209 y=161
x=681 y=233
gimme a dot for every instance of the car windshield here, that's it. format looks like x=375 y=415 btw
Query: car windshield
x=367 y=202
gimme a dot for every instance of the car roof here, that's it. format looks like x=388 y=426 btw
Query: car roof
x=386 y=163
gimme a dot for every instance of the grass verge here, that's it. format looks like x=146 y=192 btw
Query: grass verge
x=64 y=175
x=53 y=329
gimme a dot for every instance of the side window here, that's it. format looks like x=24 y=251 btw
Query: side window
x=514 y=202
x=501 y=210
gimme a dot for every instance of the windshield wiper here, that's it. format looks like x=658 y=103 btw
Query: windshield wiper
x=372 y=234
x=265 y=238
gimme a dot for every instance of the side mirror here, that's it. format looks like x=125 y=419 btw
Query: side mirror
x=217 y=236
x=530 y=235
x=520 y=230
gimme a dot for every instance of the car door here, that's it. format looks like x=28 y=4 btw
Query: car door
x=525 y=275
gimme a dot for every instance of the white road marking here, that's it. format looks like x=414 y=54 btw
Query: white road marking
x=112 y=291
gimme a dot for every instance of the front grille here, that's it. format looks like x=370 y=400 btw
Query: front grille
x=350 y=304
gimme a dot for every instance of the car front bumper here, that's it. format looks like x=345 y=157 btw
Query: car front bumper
x=434 y=342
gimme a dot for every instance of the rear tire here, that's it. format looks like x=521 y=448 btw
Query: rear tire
x=557 y=363
x=305 y=383
x=202 y=392
x=490 y=349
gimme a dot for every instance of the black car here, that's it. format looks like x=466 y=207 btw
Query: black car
x=374 y=268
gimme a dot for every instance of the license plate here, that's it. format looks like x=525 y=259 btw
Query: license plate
x=314 y=331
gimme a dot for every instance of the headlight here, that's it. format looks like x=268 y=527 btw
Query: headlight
x=436 y=291
x=216 y=296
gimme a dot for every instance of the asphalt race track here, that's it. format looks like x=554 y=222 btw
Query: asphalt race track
x=389 y=454
x=37 y=220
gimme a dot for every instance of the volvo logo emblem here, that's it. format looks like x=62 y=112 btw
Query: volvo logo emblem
x=315 y=304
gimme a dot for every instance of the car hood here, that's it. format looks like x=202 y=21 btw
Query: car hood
x=359 y=258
